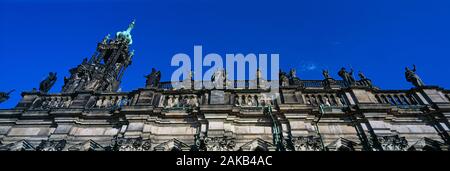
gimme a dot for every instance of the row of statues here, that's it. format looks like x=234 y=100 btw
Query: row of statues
x=290 y=79
x=153 y=79
x=218 y=78
x=348 y=78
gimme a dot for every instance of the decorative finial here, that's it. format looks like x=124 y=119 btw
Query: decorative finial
x=106 y=39
x=131 y=26
x=132 y=53
x=126 y=35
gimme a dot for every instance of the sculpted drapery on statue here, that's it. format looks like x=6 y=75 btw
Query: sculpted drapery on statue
x=347 y=76
x=284 y=80
x=364 y=80
x=293 y=79
x=326 y=74
x=153 y=78
x=412 y=77
x=48 y=82
x=218 y=79
x=327 y=81
x=104 y=71
x=259 y=74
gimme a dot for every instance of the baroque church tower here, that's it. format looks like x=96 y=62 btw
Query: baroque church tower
x=104 y=70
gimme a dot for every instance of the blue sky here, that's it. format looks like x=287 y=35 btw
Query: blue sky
x=377 y=37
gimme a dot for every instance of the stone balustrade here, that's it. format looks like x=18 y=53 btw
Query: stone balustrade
x=106 y=101
x=396 y=99
x=51 y=102
x=252 y=100
x=181 y=101
x=326 y=99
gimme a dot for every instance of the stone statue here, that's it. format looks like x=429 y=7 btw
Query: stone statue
x=225 y=79
x=5 y=96
x=293 y=79
x=292 y=73
x=261 y=83
x=218 y=78
x=258 y=74
x=153 y=78
x=327 y=82
x=361 y=75
x=326 y=74
x=190 y=76
x=364 y=80
x=284 y=80
x=347 y=76
x=412 y=77
x=48 y=83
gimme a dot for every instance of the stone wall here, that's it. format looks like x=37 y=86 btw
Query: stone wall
x=351 y=118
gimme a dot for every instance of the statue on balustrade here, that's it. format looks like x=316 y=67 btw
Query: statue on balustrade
x=153 y=78
x=48 y=82
x=259 y=74
x=190 y=76
x=412 y=77
x=218 y=79
x=364 y=80
x=261 y=83
x=293 y=79
x=326 y=74
x=347 y=76
x=5 y=96
x=284 y=80
x=83 y=76
x=327 y=81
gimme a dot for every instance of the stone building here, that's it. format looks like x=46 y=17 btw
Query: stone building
x=305 y=115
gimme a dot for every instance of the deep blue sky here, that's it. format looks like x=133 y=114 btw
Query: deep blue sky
x=378 y=37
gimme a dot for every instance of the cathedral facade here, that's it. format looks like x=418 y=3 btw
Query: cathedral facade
x=89 y=114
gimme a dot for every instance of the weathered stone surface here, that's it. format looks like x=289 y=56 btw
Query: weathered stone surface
x=217 y=97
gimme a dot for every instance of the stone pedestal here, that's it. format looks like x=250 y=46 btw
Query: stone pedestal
x=363 y=96
x=217 y=97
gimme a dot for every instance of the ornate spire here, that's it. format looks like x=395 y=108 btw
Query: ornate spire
x=126 y=35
